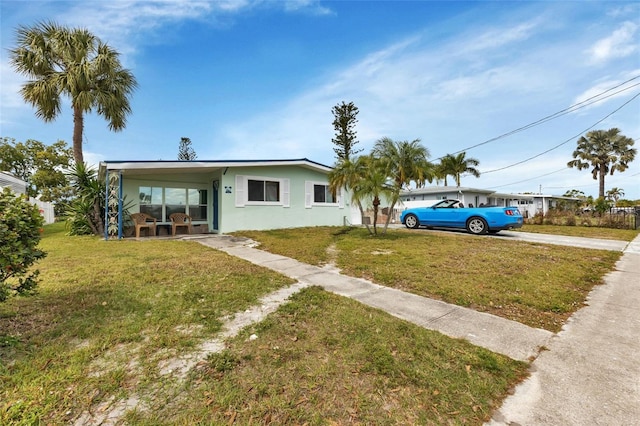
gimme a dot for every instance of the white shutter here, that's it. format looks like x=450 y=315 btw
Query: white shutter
x=285 y=192
x=308 y=194
x=240 y=190
x=340 y=198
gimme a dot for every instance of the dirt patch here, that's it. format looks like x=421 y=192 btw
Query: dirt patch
x=111 y=410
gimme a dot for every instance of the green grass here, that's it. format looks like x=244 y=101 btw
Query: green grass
x=536 y=284
x=109 y=313
x=117 y=299
x=324 y=359
x=583 y=231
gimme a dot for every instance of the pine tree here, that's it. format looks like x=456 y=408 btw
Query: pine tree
x=344 y=123
x=186 y=151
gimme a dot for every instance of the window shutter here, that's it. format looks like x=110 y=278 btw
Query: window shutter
x=308 y=194
x=240 y=183
x=340 y=198
x=285 y=192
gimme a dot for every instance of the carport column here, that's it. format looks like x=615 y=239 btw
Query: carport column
x=113 y=211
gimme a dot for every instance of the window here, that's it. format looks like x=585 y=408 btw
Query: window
x=197 y=199
x=319 y=194
x=176 y=200
x=263 y=190
x=322 y=194
x=151 y=201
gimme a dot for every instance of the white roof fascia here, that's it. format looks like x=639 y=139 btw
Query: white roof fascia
x=151 y=165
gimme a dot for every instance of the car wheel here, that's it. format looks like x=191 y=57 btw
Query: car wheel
x=411 y=221
x=477 y=226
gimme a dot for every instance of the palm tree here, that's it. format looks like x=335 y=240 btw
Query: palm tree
x=73 y=62
x=403 y=162
x=439 y=173
x=366 y=179
x=604 y=150
x=615 y=194
x=455 y=166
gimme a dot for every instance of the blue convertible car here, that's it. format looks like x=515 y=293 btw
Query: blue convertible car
x=476 y=220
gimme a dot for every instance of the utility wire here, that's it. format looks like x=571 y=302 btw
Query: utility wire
x=572 y=108
x=526 y=180
x=568 y=140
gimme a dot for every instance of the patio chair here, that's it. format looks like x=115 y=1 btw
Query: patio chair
x=180 y=220
x=143 y=220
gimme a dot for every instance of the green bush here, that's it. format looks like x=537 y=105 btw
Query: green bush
x=20 y=231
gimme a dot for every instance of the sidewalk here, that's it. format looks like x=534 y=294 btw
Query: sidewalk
x=590 y=374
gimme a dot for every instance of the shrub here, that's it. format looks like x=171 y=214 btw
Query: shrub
x=20 y=231
x=538 y=218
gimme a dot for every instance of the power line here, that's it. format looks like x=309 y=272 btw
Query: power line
x=589 y=101
x=568 y=140
x=527 y=180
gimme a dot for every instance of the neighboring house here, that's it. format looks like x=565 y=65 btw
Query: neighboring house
x=19 y=186
x=528 y=204
x=223 y=196
x=466 y=195
x=542 y=203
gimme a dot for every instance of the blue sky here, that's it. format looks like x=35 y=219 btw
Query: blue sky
x=256 y=79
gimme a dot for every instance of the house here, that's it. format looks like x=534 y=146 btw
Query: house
x=18 y=186
x=223 y=196
x=7 y=180
x=528 y=204
x=542 y=203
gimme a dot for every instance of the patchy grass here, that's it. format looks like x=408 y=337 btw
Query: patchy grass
x=324 y=359
x=583 y=231
x=538 y=285
x=109 y=315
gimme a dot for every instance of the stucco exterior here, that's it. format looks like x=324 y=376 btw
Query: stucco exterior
x=222 y=194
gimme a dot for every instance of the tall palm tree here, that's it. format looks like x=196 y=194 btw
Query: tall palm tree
x=457 y=165
x=604 y=150
x=59 y=61
x=403 y=162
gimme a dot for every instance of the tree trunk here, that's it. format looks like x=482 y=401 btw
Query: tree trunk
x=78 y=128
x=97 y=218
x=362 y=216
x=376 y=204
x=601 y=181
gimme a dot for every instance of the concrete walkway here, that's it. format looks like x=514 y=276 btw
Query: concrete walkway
x=590 y=374
x=515 y=340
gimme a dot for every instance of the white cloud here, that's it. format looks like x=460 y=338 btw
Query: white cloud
x=495 y=38
x=602 y=91
x=310 y=6
x=619 y=44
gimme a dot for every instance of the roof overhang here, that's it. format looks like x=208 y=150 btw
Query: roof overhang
x=181 y=167
x=513 y=196
x=445 y=190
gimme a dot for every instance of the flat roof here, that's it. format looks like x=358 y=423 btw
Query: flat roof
x=177 y=166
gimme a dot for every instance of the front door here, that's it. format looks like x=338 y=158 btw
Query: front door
x=216 y=186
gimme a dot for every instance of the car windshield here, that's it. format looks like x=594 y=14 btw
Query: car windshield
x=447 y=204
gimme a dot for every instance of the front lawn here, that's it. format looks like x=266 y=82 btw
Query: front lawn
x=536 y=284
x=110 y=315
